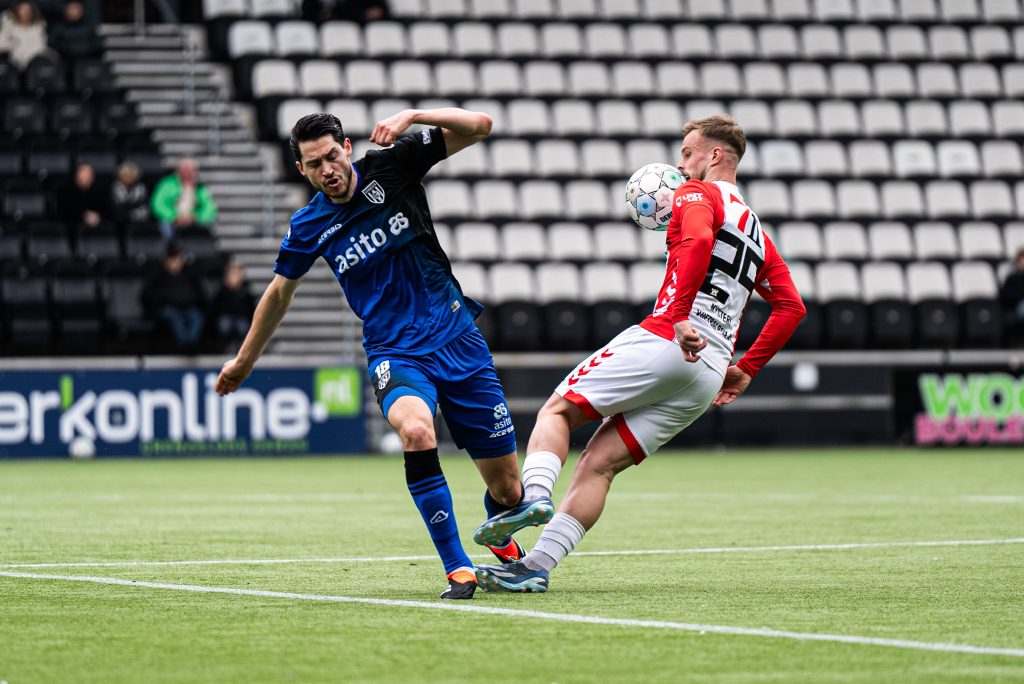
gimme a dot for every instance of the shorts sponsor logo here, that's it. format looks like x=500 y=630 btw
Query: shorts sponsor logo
x=383 y=373
x=500 y=411
x=374 y=192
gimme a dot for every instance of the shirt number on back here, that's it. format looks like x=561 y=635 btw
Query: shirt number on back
x=739 y=269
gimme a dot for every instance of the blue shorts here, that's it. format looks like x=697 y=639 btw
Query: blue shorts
x=460 y=378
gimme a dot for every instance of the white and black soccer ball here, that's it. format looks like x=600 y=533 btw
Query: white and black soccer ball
x=649 y=194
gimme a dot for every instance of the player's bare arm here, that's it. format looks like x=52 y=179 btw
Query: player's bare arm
x=461 y=128
x=271 y=309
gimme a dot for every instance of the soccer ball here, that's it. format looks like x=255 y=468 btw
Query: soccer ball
x=649 y=194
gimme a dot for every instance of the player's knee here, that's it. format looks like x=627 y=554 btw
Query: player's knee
x=559 y=408
x=594 y=463
x=417 y=434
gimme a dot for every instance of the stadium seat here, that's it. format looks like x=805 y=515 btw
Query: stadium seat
x=795 y=119
x=341 y=39
x=980 y=81
x=561 y=41
x=838 y=288
x=524 y=241
x=296 y=39
x=937 y=319
x=813 y=199
x=864 y=43
x=79 y=313
x=45 y=76
x=839 y=119
x=571 y=118
x=385 y=39
x=429 y=40
x=892 y=319
x=354 y=117
x=471 y=163
x=588 y=79
x=615 y=241
x=544 y=79
x=981 y=240
x=782 y=159
x=800 y=240
x=779 y=42
x=947 y=199
x=473 y=40
x=411 y=78
x=826 y=159
x=495 y=200
x=1001 y=159
x=320 y=78
x=692 y=42
x=518 y=316
x=291 y=111
x=530 y=118
x=935 y=240
x=890 y=241
x=570 y=241
x=566 y=324
x=914 y=159
x=760 y=79
x=450 y=200
x=992 y=199
x=969 y=119
x=676 y=79
x=990 y=44
x=907 y=43
x=561 y=159
x=617 y=118
x=648 y=41
x=456 y=79
x=477 y=241
x=250 y=38
x=845 y=241
x=808 y=81
x=632 y=80
x=26 y=313
x=856 y=199
x=605 y=41
x=605 y=290
x=822 y=43
x=22 y=200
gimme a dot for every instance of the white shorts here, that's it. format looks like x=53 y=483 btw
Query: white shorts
x=641 y=383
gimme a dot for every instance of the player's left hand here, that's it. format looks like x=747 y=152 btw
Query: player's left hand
x=736 y=381
x=387 y=130
x=689 y=340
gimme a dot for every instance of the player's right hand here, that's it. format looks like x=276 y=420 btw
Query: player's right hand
x=689 y=340
x=387 y=130
x=231 y=376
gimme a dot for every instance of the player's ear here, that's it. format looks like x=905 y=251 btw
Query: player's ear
x=298 y=165
x=347 y=146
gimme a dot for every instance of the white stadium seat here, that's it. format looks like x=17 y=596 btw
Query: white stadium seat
x=523 y=241
x=935 y=240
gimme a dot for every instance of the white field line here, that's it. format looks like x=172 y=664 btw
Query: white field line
x=634 y=552
x=559 y=617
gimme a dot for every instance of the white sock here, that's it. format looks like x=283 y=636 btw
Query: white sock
x=559 y=538
x=540 y=472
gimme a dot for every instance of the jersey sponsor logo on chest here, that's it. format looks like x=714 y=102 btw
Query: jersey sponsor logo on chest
x=365 y=244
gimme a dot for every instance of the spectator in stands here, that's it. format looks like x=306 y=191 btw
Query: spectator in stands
x=75 y=36
x=233 y=306
x=81 y=202
x=129 y=198
x=180 y=200
x=360 y=11
x=23 y=33
x=173 y=298
x=1012 y=296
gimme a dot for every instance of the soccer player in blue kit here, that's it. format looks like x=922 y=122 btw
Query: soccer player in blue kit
x=370 y=222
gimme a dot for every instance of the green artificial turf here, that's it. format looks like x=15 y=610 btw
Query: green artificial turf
x=316 y=513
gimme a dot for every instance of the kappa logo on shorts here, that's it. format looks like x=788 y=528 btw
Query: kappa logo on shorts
x=383 y=373
x=374 y=192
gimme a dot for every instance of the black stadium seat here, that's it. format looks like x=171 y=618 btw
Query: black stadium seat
x=71 y=116
x=11 y=160
x=128 y=328
x=45 y=76
x=24 y=116
x=22 y=200
x=26 y=314
x=48 y=159
x=98 y=246
x=9 y=77
x=92 y=77
x=78 y=311
x=48 y=246
x=938 y=323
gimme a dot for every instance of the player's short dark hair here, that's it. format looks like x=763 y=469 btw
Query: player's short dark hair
x=314 y=127
x=721 y=128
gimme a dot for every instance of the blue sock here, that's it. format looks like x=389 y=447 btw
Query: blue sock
x=430 y=492
x=493 y=508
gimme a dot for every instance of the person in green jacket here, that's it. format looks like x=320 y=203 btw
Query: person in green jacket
x=179 y=200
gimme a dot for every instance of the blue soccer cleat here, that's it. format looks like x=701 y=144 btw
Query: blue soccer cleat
x=514 y=577
x=495 y=531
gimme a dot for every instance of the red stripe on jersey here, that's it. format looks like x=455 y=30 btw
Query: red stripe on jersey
x=635 y=450
x=581 y=401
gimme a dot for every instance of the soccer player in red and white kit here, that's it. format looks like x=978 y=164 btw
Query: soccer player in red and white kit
x=656 y=378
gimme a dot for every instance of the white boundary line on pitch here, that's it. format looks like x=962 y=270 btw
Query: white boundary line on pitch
x=559 y=617
x=637 y=552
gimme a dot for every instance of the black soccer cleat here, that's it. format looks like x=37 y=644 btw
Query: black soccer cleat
x=461 y=585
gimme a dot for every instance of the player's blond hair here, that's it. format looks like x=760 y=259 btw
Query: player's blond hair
x=721 y=128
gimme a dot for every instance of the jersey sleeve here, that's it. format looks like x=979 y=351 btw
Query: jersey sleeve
x=775 y=284
x=697 y=214
x=414 y=154
x=296 y=254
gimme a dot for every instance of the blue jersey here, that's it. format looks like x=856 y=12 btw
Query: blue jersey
x=383 y=250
